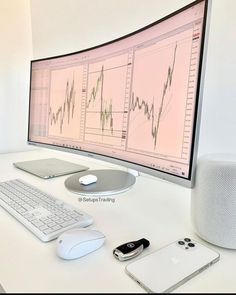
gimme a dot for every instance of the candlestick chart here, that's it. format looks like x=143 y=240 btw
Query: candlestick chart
x=149 y=109
x=158 y=97
x=65 y=100
x=105 y=100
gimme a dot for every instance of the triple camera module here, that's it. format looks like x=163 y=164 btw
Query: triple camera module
x=186 y=243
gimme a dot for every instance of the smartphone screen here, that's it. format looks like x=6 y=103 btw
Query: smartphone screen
x=171 y=266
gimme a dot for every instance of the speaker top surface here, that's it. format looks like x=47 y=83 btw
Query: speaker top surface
x=218 y=157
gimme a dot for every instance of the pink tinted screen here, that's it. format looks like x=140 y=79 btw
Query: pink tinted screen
x=133 y=99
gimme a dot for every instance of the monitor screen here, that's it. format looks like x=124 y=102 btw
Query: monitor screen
x=134 y=101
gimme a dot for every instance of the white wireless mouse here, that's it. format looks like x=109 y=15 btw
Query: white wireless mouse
x=78 y=242
x=88 y=179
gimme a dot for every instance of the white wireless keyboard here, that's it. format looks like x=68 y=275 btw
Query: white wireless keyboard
x=44 y=215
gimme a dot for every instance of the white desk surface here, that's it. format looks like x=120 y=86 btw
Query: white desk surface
x=151 y=209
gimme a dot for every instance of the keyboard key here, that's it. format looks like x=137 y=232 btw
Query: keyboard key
x=44 y=215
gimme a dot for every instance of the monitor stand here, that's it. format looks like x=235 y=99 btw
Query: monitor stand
x=109 y=182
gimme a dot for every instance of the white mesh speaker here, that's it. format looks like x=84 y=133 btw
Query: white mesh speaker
x=213 y=199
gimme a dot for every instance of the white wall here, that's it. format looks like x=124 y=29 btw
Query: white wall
x=219 y=105
x=63 y=26
x=15 y=54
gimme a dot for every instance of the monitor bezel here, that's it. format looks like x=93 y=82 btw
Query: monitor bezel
x=186 y=182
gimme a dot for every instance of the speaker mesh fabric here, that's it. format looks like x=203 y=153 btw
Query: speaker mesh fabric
x=213 y=200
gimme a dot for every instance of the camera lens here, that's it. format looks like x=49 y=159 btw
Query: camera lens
x=187 y=240
x=191 y=245
x=181 y=242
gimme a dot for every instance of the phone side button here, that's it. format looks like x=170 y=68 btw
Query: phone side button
x=203 y=268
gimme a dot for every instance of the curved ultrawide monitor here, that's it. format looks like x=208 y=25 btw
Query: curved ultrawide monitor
x=134 y=101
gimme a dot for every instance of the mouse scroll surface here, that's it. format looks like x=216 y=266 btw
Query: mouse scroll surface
x=76 y=243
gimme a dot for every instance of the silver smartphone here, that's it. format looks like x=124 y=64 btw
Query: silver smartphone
x=171 y=266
